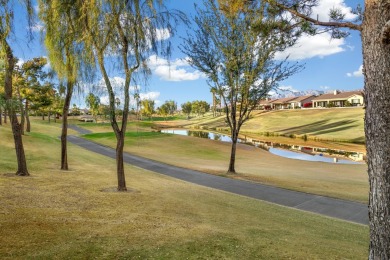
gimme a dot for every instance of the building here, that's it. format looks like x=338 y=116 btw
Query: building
x=298 y=102
x=337 y=99
x=281 y=103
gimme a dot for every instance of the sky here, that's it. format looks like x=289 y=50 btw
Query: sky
x=329 y=64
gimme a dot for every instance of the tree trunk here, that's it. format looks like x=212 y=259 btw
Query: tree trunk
x=5 y=116
x=119 y=162
x=232 y=162
x=43 y=116
x=16 y=130
x=28 y=125
x=64 y=133
x=48 y=116
x=376 y=56
x=22 y=115
x=1 y=116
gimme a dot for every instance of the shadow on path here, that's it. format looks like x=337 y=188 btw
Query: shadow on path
x=335 y=208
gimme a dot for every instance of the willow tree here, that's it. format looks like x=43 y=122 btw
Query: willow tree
x=65 y=52
x=237 y=60
x=128 y=32
x=8 y=62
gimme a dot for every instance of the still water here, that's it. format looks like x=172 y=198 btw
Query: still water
x=284 y=150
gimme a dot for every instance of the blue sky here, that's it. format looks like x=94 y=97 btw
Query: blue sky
x=329 y=64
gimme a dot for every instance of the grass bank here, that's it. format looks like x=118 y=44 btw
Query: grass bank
x=334 y=180
x=331 y=124
x=77 y=214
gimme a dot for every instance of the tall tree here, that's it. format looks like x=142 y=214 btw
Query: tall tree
x=163 y=110
x=147 y=107
x=129 y=30
x=374 y=26
x=238 y=61
x=34 y=73
x=187 y=108
x=66 y=53
x=171 y=106
x=93 y=102
x=6 y=18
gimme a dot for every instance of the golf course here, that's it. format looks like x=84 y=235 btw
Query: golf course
x=78 y=214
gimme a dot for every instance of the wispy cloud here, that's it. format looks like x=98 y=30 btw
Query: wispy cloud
x=176 y=70
x=308 y=46
x=357 y=73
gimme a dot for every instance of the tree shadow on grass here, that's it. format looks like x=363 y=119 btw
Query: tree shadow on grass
x=320 y=127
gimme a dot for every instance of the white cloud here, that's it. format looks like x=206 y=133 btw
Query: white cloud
x=153 y=95
x=358 y=73
x=287 y=88
x=324 y=87
x=307 y=47
x=20 y=62
x=322 y=10
x=38 y=27
x=163 y=34
x=176 y=70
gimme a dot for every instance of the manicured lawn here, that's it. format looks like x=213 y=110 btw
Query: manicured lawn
x=336 y=124
x=78 y=215
x=334 y=180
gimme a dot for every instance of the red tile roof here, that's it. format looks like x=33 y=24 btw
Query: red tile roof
x=339 y=96
x=300 y=98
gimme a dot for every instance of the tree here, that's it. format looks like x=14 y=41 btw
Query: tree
x=6 y=18
x=129 y=31
x=67 y=54
x=200 y=107
x=33 y=73
x=374 y=27
x=213 y=91
x=163 y=110
x=238 y=61
x=171 y=106
x=93 y=102
x=186 y=108
x=147 y=107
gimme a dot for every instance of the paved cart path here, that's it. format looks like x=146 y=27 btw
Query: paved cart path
x=336 y=208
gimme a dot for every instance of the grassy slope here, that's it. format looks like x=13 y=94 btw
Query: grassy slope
x=346 y=124
x=335 y=180
x=66 y=215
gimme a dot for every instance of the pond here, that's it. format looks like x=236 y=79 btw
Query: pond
x=285 y=150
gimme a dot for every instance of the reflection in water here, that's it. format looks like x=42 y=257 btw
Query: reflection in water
x=284 y=150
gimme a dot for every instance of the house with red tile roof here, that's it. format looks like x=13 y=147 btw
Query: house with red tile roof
x=339 y=99
x=281 y=103
x=298 y=102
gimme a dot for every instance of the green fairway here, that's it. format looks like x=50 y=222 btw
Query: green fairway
x=78 y=215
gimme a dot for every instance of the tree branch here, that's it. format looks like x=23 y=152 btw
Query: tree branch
x=349 y=25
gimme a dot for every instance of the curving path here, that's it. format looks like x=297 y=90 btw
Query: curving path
x=335 y=208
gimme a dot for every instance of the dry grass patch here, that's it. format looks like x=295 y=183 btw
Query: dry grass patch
x=66 y=215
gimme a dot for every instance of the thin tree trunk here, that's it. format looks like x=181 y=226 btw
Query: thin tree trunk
x=232 y=168
x=1 y=116
x=5 y=115
x=64 y=133
x=49 y=116
x=119 y=162
x=16 y=130
x=22 y=115
x=28 y=125
x=376 y=56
